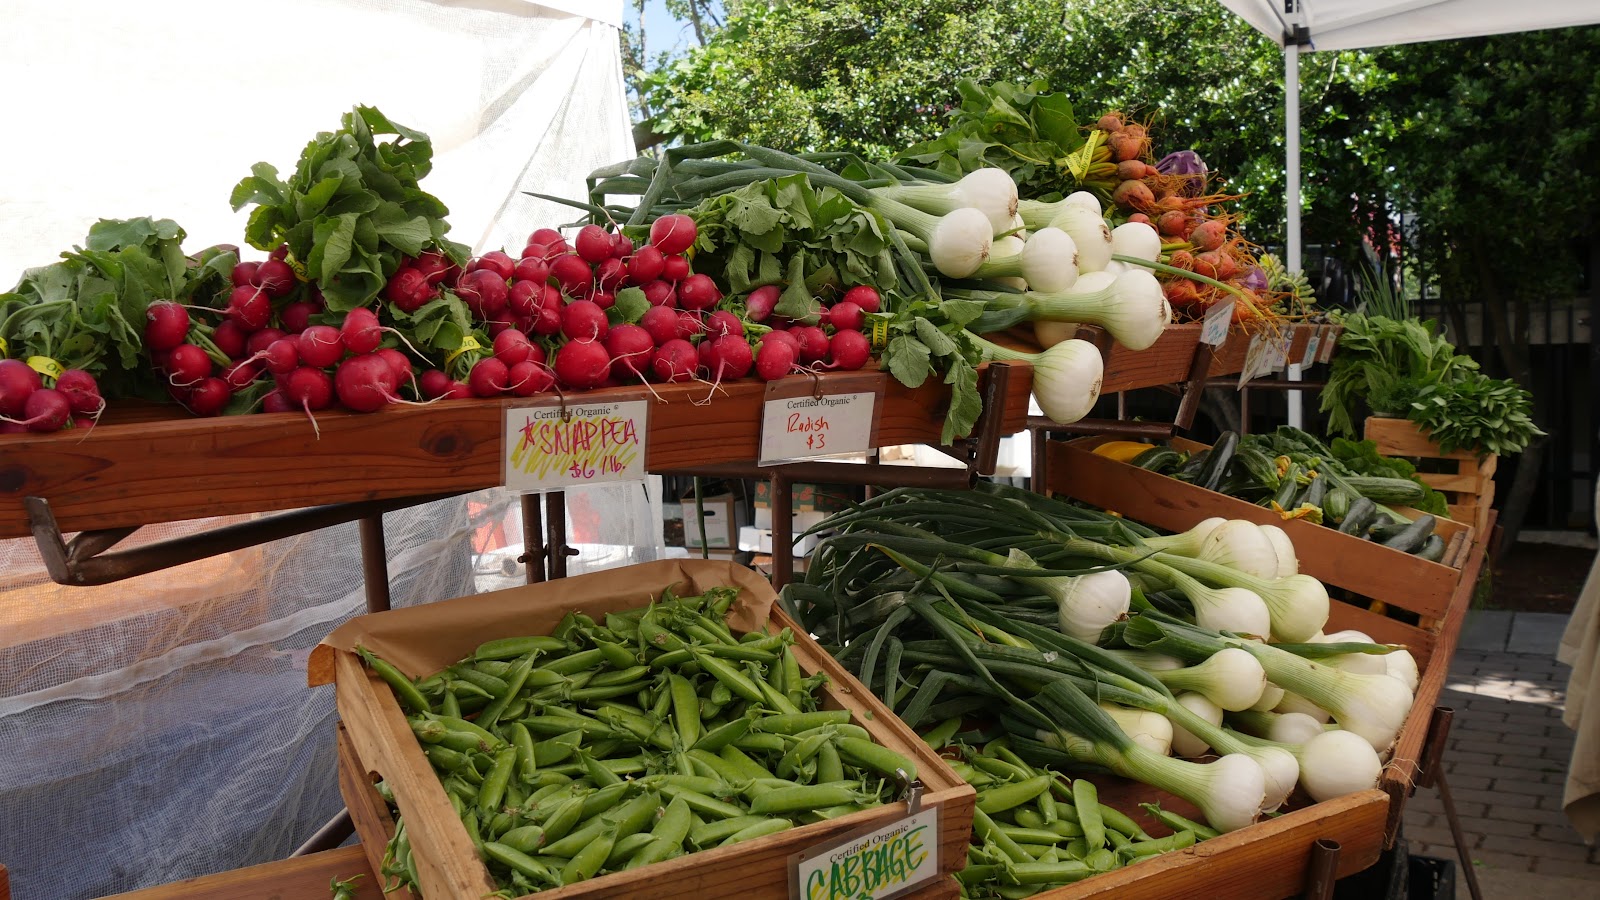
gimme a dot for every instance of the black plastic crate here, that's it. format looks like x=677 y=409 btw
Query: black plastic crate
x=1431 y=878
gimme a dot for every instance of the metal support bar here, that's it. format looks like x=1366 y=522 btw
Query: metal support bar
x=782 y=528
x=555 y=508
x=1322 y=869
x=1431 y=763
x=1267 y=384
x=1157 y=430
x=1456 y=835
x=327 y=837
x=374 y=563
x=78 y=565
x=532 y=539
x=880 y=475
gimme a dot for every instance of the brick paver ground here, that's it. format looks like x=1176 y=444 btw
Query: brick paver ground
x=1506 y=761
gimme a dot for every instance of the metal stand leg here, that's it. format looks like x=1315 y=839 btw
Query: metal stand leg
x=327 y=837
x=1322 y=869
x=782 y=530
x=375 y=563
x=555 y=508
x=1456 y=835
x=532 y=538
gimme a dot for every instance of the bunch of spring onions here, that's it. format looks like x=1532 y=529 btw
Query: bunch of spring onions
x=1104 y=645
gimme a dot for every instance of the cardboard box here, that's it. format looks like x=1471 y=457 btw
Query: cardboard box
x=807 y=497
x=800 y=521
x=759 y=540
x=724 y=515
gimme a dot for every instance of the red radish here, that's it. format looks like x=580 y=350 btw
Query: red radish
x=210 y=397
x=308 y=389
x=261 y=340
x=231 y=338
x=436 y=267
x=674 y=269
x=702 y=352
x=496 y=261
x=244 y=274
x=166 y=325
x=279 y=253
x=603 y=299
x=360 y=331
x=813 y=343
x=849 y=350
x=297 y=315
x=512 y=346
x=698 y=292
x=845 y=316
x=611 y=273
x=524 y=297
x=528 y=378
x=865 y=296
x=674 y=360
x=276 y=402
x=571 y=273
x=320 y=346
x=188 y=365
x=621 y=246
x=547 y=321
x=582 y=364
x=399 y=364
x=724 y=322
x=494 y=328
x=644 y=266
x=630 y=347
x=489 y=377
x=457 y=391
x=593 y=243
x=17 y=383
x=433 y=383
x=546 y=236
x=660 y=293
x=551 y=297
x=531 y=268
x=7 y=427
x=484 y=291
x=282 y=356
x=250 y=307
x=1209 y=235
x=275 y=278
x=45 y=410
x=781 y=337
x=661 y=322
x=584 y=320
x=408 y=289
x=673 y=234
x=81 y=391
x=758 y=306
x=731 y=357
x=239 y=375
x=775 y=358
x=364 y=383
x=690 y=324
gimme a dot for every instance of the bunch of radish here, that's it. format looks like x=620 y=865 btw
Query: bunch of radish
x=26 y=404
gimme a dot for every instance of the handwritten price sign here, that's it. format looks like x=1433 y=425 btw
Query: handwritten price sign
x=805 y=427
x=548 y=448
x=886 y=862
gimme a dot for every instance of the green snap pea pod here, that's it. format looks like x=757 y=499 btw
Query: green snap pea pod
x=616 y=654
x=709 y=834
x=1028 y=818
x=760 y=829
x=1047 y=873
x=404 y=688
x=1009 y=796
x=661 y=706
x=773 y=697
x=674 y=824
x=878 y=758
x=574 y=663
x=1178 y=823
x=561 y=822
x=699 y=766
x=1031 y=835
x=546 y=790
x=801 y=799
x=499 y=668
x=1066 y=828
x=775 y=677
x=428 y=731
x=494 y=783
x=726 y=673
x=829 y=766
x=1101 y=860
x=834 y=812
x=1087 y=801
x=626 y=848
x=518 y=861
x=580 y=837
x=740 y=653
x=999 y=768
x=433 y=684
x=556 y=749
x=605 y=692
x=633 y=816
x=711 y=765
x=607 y=797
x=586 y=862
x=700 y=803
x=986 y=828
x=625 y=765
x=469 y=819
x=625 y=627
x=500 y=824
x=706 y=637
x=1117 y=841
x=492 y=686
x=458 y=724
x=522 y=740
x=709 y=786
x=939 y=735
x=794 y=723
x=514 y=682
x=449 y=705
x=637 y=725
x=1077 y=848
x=552 y=724
x=802 y=751
x=685 y=709
x=680 y=659
x=1114 y=819
x=619 y=676
x=762 y=743
x=794 y=684
x=976 y=874
x=654 y=852
x=524 y=838
x=718 y=693
x=1175 y=841
x=510 y=648
x=658 y=636
x=516 y=709
x=446 y=759
x=747 y=767
x=597 y=773
x=462 y=741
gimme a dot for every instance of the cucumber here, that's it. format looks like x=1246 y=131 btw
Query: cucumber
x=1361 y=515
x=1433 y=549
x=1162 y=460
x=1210 y=475
x=1337 y=504
x=1412 y=537
x=1388 y=491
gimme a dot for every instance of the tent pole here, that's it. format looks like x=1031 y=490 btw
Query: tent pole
x=1291 y=261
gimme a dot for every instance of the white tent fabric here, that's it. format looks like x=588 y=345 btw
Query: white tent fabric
x=1350 y=24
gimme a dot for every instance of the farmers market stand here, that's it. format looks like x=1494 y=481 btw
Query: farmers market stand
x=137 y=468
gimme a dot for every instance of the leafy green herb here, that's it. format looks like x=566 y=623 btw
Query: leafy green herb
x=928 y=336
x=1476 y=412
x=353 y=208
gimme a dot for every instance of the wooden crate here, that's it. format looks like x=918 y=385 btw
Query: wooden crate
x=1467 y=482
x=381 y=745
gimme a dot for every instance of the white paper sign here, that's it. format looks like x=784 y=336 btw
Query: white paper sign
x=1280 y=349
x=1329 y=342
x=1257 y=358
x=808 y=427
x=1310 y=355
x=1214 y=328
x=548 y=448
x=885 y=862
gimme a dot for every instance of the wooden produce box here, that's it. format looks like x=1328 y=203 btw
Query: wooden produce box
x=1467 y=482
x=1439 y=594
x=423 y=639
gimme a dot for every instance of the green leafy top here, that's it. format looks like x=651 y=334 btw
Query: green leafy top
x=1476 y=412
x=352 y=209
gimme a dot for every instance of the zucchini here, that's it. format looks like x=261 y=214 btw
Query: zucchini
x=1221 y=454
x=1288 y=488
x=1433 y=549
x=1412 y=537
x=1250 y=459
x=1162 y=460
x=1188 y=470
x=1315 y=493
x=1361 y=515
x=1382 y=531
x=1337 y=504
x=1389 y=491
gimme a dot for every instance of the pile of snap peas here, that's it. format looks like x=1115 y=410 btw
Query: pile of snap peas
x=604 y=747
x=1034 y=830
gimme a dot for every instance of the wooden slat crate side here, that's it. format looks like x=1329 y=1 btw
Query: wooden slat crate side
x=1402 y=437
x=1367 y=568
x=1267 y=861
x=368 y=811
x=296 y=878
x=1167 y=361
